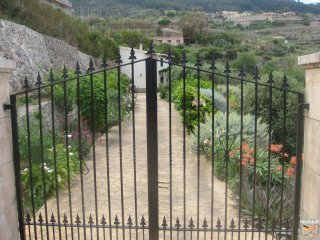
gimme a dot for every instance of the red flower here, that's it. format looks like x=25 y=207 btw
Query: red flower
x=276 y=147
x=279 y=168
x=245 y=146
x=252 y=160
x=293 y=160
x=243 y=162
x=290 y=171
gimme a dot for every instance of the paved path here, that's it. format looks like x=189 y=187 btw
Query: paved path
x=141 y=165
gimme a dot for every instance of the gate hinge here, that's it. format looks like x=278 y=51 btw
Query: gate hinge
x=305 y=106
x=7 y=106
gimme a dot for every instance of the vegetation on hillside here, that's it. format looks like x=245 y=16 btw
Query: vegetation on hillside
x=124 y=8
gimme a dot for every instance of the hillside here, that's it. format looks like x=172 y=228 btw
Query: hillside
x=120 y=8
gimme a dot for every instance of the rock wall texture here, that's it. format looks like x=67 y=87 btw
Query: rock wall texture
x=35 y=53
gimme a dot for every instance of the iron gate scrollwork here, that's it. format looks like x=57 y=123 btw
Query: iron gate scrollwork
x=74 y=182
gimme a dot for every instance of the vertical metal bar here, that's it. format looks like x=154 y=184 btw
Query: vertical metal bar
x=299 y=147
x=80 y=151
x=255 y=153
x=152 y=147
x=184 y=151
x=66 y=132
x=227 y=71
x=269 y=151
x=283 y=150
x=134 y=149
x=198 y=149
x=30 y=161
x=170 y=143
x=16 y=162
x=55 y=152
x=107 y=145
x=242 y=75
x=212 y=146
x=94 y=151
x=120 y=149
x=42 y=157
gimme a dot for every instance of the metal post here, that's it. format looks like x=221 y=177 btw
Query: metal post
x=297 y=192
x=152 y=147
x=16 y=161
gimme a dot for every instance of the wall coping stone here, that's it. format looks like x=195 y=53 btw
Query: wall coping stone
x=310 y=61
x=6 y=66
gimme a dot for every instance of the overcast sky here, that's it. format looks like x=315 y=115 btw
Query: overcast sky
x=310 y=1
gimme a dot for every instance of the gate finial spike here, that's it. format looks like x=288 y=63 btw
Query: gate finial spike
x=40 y=220
x=151 y=49
x=118 y=60
x=164 y=222
x=213 y=63
x=78 y=221
x=246 y=224
x=51 y=78
x=104 y=62
x=256 y=76
x=198 y=62
x=169 y=55
x=65 y=219
x=28 y=217
x=219 y=226
x=38 y=83
x=285 y=84
x=26 y=84
x=191 y=225
x=184 y=60
x=132 y=55
x=116 y=221
x=227 y=68
x=270 y=80
x=232 y=225
x=143 y=222
x=205 y=223
x=130 y=223
x=77 y=71
x=103 y=220
x=91 y=65
x=64 y=72
x=178 y=225
x=242 y=73
x=90 y=220
x=53 y=219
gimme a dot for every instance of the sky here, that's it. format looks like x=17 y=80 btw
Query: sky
x=310 y=1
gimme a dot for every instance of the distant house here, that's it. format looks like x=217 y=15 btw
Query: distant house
x=169 y=36
x=65 y=5
x=140 y=68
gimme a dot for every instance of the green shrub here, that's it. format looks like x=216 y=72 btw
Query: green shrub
x=98 y=119
x=191 y=104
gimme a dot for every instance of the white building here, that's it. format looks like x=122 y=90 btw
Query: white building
x=140 y=68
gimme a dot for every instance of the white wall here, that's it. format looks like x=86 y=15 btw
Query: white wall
x=139 y=68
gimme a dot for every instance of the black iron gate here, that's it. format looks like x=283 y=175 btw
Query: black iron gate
x=247 y=186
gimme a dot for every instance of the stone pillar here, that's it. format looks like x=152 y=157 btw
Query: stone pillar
x=310 y=195
x=8 y=206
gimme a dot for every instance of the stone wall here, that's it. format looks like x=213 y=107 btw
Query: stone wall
x=35 y=52
x=310 y=196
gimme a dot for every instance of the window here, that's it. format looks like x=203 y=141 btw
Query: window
x=169 y=41
x=178 y=41
x=160 y=41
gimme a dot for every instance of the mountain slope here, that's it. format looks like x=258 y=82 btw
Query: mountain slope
x=127 y=7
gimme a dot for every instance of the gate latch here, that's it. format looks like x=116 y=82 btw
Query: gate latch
x=7 y=106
